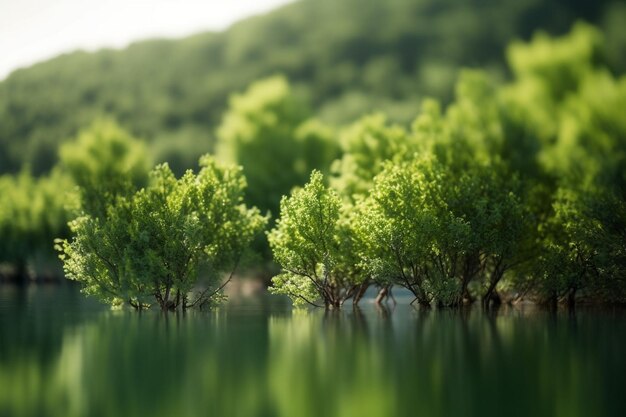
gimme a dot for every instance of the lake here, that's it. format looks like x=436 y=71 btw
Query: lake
x=62 y=354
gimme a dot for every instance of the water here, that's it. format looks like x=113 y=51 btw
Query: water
x=64 y=355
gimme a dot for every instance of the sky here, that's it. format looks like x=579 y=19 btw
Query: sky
x=35 y=30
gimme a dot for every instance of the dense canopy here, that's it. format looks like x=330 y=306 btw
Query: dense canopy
x=508 y=183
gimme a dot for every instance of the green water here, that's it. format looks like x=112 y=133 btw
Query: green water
x=63 y=355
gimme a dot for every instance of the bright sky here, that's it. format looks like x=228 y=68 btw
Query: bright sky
x=35 y=30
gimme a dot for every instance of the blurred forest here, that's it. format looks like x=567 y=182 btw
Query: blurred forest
x=514 y=109
x=344 y=58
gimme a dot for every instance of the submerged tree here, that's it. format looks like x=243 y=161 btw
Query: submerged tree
x=307 y=243
x=154 y=244
x=398 y=225
x=582 y=248
x=366 y=144
x=434 y=233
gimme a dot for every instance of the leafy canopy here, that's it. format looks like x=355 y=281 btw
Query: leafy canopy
x=265 y=130
x=32 y=213
x=105 y=162
x=308 y=244
x=153 y=245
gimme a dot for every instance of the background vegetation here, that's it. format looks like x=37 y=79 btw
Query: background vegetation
x=510 y=181
x=346 y=58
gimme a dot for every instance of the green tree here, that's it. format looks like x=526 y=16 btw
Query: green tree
x=565 y=97
x=318 y=147
x=307 y=243
x=265 y=131
x=433 y=232
x=366 y=144
x=32 y=213
x=401 y=203
x=573 y=107
x=559 y=64
x=582 y=247
x=105 y=162
x=154 y=244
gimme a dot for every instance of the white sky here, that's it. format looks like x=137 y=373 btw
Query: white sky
x=35 y=30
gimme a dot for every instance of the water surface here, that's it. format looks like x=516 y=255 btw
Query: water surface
x=64 y=355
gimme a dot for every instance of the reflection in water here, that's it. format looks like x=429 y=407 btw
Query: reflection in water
x=62 y=357
x=321 y=364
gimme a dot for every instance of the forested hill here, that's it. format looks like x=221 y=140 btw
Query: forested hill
x=346 y=57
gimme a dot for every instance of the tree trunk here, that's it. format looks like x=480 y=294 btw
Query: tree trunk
x=165 y=304
x=552 y=302
x=464 y=290
x=491 y=296
x=488 y=296
x=469 y=272
x=390 y=294
x=571 y=298
x=361 y=292
x=494 y=300
x=467 y=297
x=421 y=302
x=382 y=294
x=420 y=295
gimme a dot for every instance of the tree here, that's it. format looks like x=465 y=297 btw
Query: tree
x=32 y=213
x=408 y=236
x=265 y=130
x=433 y=232
x=583 y=247
x=559 y=64
x=154 y=244
x=366 y=144
x=307 y=243
x=575 y=108
x=105 y=162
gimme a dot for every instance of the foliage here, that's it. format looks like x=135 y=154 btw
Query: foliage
x=32 y=213
x=559 y=64
x=583 y=247
x=581 y=130
x=307 y=243
x=498 y=185
x=105 y=162
x=434 y=235
x=398 y=225
x=521 y=184
x=350 y=57
x=154 y=244
x=366 y=144
x=263 y=131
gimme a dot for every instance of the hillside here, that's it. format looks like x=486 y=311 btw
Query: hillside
x=346 y=57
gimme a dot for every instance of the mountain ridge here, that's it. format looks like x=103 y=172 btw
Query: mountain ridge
x=347 y=57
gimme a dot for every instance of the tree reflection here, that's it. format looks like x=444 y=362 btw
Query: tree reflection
x=361 y=362
x=321 y=364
